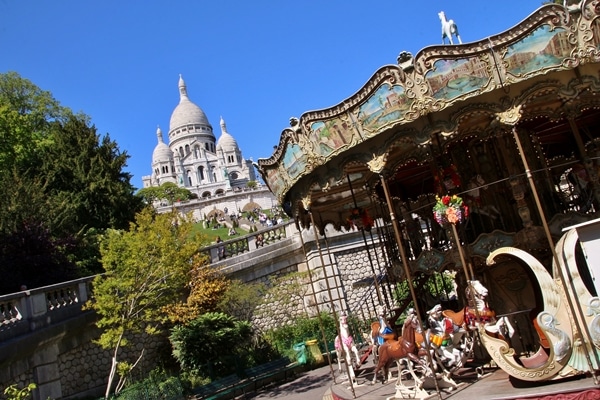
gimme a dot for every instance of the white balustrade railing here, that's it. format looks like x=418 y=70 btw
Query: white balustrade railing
x=28 y=310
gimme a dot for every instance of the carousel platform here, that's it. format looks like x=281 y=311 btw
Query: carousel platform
x=495 y=384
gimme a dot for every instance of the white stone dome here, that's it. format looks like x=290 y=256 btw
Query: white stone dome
x=226 y=142
x=162 y=152
x=186 y=112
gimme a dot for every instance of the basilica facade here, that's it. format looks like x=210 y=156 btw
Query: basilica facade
x=193 y=158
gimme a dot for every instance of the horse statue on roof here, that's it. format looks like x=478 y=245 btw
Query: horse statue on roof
x=449 y=29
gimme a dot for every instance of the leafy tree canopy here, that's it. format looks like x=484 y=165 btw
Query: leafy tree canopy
x=147 y=269
x=241 y=299
x=168 y=192
x=207 y=288
x=59 y=175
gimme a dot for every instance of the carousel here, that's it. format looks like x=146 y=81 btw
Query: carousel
x=474 y=159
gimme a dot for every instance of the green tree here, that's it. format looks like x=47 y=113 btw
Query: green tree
x=168 y=191
x=147 y=268
x=206 y=288
x=12 y=392
x=26 y=113
x=85 y=179
x=58 y=174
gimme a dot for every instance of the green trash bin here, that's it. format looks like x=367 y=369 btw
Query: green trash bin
x=300 y=349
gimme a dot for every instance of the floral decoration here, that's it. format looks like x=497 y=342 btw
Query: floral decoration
x=360 y=218
x=450 y=209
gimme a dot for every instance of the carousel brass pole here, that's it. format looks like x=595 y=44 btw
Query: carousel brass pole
x=383 y=253
x=312 y=286
x=351 y=376
x=383 y=231
x=398 y=237
x=338 y=288
x=461 y=253
x=551 y=243
x=466 y=272
x=362 y=230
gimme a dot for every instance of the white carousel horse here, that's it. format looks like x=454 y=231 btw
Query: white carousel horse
x=477 y=313
x=449 y=29
x=344 y=344
x=448 y=342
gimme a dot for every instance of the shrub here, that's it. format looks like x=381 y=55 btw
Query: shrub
x=213 y=345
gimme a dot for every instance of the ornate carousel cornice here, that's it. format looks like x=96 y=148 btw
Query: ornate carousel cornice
x=444 y=92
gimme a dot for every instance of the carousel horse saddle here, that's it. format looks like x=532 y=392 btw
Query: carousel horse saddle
x=458 y=318
x=399 y=346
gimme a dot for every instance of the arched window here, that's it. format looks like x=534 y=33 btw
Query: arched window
x=187 y=149
x=200 y=173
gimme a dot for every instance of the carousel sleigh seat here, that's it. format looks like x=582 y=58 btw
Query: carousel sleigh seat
x=535 y=360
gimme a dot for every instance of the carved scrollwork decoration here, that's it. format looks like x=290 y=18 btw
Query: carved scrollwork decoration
x=510 y=116
x=378 y=163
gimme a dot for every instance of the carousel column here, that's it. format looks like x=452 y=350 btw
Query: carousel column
x=518 y=192
x=346 y=350
x=377 y=166
x=314 y=294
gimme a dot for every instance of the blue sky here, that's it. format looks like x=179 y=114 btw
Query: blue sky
x=256 y=63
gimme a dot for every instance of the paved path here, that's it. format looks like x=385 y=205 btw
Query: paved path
x=309 y=385
x=495 y=385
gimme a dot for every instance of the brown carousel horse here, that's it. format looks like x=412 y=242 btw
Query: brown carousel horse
x=395 y=350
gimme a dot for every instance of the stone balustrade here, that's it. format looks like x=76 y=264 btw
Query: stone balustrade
x=246 y=243
x=30 y=310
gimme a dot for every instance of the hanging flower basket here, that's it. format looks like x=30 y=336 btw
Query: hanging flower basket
x=450 y=209
x=360 y=219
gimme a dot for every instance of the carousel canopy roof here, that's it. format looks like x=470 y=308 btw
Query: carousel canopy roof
x=406 y=116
